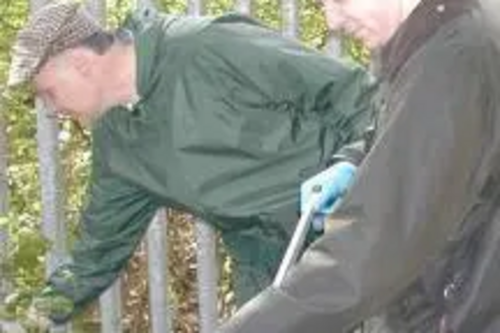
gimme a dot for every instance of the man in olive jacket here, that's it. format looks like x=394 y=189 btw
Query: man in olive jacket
x=416 y=240
x=220 y=117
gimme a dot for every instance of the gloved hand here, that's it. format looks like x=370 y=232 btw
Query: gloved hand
x=46 y=307
x=332 y=184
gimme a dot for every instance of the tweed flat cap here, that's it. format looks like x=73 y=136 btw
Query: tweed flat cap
x=50 y=30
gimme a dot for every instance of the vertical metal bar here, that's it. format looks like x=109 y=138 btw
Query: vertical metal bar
x=290 y=14
x=111 y=309
x=196 y=7
x=334 y=45
x=5 y=283
x=207 y=276
x=144 y=4
x=244 y=6
x=156 y=238
x=53 y=224
x=52 y=214
x=5 y=280
x=157 y=271
x=205 y=250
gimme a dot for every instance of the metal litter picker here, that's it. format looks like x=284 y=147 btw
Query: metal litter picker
x=330 y=184
x=297 y=242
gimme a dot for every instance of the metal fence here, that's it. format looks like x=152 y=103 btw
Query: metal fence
x=53 y=219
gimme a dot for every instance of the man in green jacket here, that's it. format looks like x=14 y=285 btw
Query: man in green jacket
x=416 y=240
x=220 y=117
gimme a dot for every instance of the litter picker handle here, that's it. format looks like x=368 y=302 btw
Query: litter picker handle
x=297 y=242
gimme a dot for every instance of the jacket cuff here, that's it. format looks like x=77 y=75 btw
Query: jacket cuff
x=355 y=152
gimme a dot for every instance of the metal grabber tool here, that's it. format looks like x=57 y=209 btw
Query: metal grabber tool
x=297 y=242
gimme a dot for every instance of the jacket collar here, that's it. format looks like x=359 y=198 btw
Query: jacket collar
x=427 y=18
x=146 y=26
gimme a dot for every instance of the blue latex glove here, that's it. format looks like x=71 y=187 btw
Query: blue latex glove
x=333 y=182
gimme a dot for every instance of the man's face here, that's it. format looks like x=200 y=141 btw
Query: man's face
x=373 y=21
x=68 y=86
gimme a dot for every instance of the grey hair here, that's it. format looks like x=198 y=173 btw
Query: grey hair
x=101 y=41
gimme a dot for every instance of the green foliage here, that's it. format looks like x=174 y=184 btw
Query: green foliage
x=355 y=50
x=173 y=6
x=117 y=11
x=314 y=30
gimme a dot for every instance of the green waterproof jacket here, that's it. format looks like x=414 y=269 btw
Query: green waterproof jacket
x=231 y=118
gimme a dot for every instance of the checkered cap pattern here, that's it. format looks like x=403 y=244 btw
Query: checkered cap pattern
x=50 y=30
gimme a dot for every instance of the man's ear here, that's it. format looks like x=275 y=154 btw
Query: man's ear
x=83 y=60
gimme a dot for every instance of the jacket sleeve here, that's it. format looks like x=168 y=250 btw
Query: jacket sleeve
x=111 y=227
x=422 y=176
